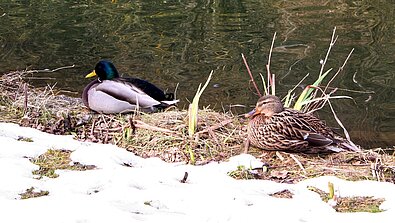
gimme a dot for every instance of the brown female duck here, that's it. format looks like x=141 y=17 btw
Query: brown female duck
x=273 y=127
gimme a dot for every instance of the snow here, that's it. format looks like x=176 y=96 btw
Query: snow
x=128 y=188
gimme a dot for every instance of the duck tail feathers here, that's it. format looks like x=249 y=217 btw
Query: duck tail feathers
x=347 y=145
x=351 y=146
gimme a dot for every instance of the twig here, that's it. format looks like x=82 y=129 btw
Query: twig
x=300 y=82
x=93 y=126
x=175 y=90
x=271 y=80
x=278 y=154
x=117 y=129
x=212 y=134
x=270 y=53
x=246 y=146
x=377 y=169
x=355 y=148
x=251 y=77
x=273 y=84
x=265 y=90
x=107 y=129
x=216 y=126
x=323 y=62
x=48 y=70
x=184 y=179
x=331 y=44
x=352 y=91
x=25 y=89
x=140 y=124
x=132 y=126
x=325 y=99
x=229 y=135
x=339 y=70
x=298 y=162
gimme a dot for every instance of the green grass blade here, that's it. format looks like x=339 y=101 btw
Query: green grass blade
x=306 y=93
x=194 y=107
x=288 y=99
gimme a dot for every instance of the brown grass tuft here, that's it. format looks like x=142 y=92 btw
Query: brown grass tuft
x=352 y=204
x=53 y=160
x=31 y=193
x=291 y=168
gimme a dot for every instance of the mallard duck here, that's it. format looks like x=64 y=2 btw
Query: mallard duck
x=273 y=127
x=110 y=93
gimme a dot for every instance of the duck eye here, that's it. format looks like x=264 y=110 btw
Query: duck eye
x=264 y=102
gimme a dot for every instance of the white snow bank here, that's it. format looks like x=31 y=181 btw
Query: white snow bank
x=150 y=190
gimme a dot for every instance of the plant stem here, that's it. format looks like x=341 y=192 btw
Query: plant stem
x=251 y=77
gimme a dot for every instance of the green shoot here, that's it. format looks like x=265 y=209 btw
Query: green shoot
x=306 y=94
x=193 y=108
x=331 y=194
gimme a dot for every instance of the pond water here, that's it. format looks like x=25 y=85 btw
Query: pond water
x=169 y=42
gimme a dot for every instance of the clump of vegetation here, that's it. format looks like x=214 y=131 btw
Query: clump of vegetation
x=292 y=168
x=359 y=204
x=283 y=194
x=352 y=204
x=25 y=139
x=40 y=108
x=243 y=173
x=53 y=160
x=31 y=193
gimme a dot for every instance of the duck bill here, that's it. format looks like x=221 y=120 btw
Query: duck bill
x=91 y=74
x=251 y=114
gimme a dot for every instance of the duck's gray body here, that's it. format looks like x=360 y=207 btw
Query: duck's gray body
x=110 y=96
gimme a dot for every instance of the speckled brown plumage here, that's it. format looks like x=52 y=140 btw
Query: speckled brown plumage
x=273 y=127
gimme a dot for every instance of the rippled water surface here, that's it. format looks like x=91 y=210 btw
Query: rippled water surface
x=170 y=42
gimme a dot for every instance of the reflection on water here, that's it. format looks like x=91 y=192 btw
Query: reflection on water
x=170 y=42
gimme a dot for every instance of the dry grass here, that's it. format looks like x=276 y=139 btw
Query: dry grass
x=38 y=108
x=31 y=193
x=53 y=160
x=283 y=194
x=359 y=204
x=352 y=204
x=165 y=135
x=291 y=168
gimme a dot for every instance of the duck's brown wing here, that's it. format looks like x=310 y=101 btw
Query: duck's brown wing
x=274 y=134
x=296 y=125
x=318 y=140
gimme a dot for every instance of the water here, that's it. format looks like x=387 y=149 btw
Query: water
x=170 y=42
